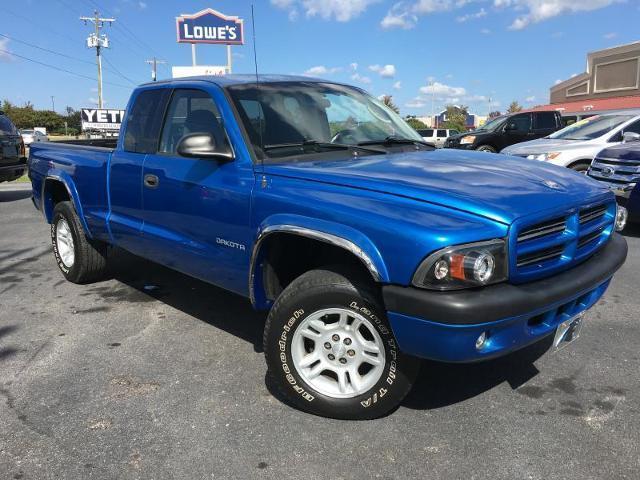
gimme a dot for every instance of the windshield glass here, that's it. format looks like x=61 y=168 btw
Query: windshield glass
x=493 y=124
x=278 y=115
x=6 y=127
x=590 y=128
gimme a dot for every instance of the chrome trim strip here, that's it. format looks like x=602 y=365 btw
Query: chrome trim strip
x=309 y=233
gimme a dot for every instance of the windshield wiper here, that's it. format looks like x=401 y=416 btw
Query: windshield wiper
x=316 y=143
x=393 y=140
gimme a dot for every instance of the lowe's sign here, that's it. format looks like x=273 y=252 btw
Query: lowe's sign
x=210 y=26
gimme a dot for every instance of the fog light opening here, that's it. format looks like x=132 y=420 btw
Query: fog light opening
x=621 y=218
x=482 y=340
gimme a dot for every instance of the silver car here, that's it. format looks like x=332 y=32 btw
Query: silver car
x=30 y=136
x=576 y=146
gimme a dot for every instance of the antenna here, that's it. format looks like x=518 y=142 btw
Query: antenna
x=255 y=62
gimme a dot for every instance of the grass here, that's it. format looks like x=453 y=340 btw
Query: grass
x=23 y=179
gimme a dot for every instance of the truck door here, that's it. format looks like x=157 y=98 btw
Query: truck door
x=141 y=132
x=196 y=211
x=518 y=129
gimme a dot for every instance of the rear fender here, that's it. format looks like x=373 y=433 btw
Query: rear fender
x=47 y=203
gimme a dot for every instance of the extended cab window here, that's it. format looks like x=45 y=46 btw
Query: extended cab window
x=190 y=111
x=441 y=133
x=144 y=121
x=545 y=120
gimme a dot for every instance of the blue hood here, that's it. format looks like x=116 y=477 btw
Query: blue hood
x=498 y=187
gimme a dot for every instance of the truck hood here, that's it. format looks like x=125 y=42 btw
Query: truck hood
x=494 y=186
x=546 y=145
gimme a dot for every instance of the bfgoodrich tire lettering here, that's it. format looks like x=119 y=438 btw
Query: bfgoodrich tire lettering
x=330 y=290
x=89 y=257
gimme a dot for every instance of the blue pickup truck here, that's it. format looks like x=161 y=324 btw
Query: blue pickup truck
x=369 y=248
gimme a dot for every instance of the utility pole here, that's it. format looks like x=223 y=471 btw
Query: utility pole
x=154 y=62
x=98 y=41
x=53 y=103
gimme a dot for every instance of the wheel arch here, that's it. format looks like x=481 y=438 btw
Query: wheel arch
x=58 y=187
x=348 y=243
x=586 y=161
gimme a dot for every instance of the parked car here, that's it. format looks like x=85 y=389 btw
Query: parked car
x=436 y=136
x=575 y=146
x=506 y=130
x=618 y=167
x=369 y=248
x=30 y=136
x=13 y=161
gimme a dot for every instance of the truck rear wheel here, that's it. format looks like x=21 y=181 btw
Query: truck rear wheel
x=80 y=259
x=486 y=148
x=330 y=350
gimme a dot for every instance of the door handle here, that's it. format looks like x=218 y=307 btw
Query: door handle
x=151 y=181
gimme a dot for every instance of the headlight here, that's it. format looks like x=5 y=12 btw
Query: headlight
x=467 y=140
x=464 y=266
x=621 y=218
x=543 y=157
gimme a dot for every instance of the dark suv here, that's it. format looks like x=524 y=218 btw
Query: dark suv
x=506 y=130
x=13 y=161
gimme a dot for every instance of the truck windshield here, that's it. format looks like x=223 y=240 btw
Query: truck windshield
x=493 y=124
x=590 y=128
x=283 y=118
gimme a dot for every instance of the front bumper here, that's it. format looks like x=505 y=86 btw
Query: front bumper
x=445 y=325
x=13 y=171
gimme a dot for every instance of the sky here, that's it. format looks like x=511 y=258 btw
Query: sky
x=425 y=53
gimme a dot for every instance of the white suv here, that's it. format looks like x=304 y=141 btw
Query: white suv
x=436 y=136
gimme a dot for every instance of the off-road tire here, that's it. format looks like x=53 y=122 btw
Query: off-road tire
x=316 y=290
x=90 y=262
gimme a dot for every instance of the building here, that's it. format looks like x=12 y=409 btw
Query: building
x=611 y=82
x=473 y=121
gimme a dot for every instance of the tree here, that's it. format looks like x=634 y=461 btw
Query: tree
x=514 y=107
x=388 y=101
x=495 y=114
x=415 y=123
x=456 y=118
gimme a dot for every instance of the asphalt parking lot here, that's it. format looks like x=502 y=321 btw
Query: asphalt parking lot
x=152 y=374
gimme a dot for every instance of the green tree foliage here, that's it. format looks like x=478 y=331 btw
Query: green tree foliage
x=28 y=117
x=415 y=123
x=456 y=118
x=495 y=114
x=514 y=107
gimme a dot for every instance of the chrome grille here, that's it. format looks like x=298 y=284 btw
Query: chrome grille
x=616 y=171
x=555 y=243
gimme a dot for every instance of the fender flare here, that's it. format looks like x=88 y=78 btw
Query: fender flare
x=332 y=233
x=64 y=179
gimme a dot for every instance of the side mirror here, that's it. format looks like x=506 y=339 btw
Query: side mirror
x=203 y=145
x=630 y=137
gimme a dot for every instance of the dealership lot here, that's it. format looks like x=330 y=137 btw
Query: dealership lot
x=152 y=374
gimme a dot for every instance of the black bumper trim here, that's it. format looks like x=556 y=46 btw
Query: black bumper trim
x=495 y=302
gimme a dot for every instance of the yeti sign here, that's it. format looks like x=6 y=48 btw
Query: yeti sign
x=209 y=26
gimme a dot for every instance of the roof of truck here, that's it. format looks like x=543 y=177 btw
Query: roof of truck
x=226 y=80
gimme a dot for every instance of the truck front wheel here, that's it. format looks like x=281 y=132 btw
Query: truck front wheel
x=330 y=350
x=80 y=260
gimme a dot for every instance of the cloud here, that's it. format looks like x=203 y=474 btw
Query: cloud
x=340 y=10
x=397 y=85
x=353 y=66
x=440 y=90
x=385 y=71
x=142 y=5
x=472 y=16
x=541 y=10
x=557 y=82
x=416 y=103
x=399 y=16
x=321 y=70
x=5 y=56
x=610 y=35
x=356 y=77
x=485 y=31
x=530 y=99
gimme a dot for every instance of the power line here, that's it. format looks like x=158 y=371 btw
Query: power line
x=60 y=69
x=154 y=62
x=31 y=22
x=118 y=72
x=45 y=49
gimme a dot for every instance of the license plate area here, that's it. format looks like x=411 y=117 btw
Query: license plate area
x=568 y=331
